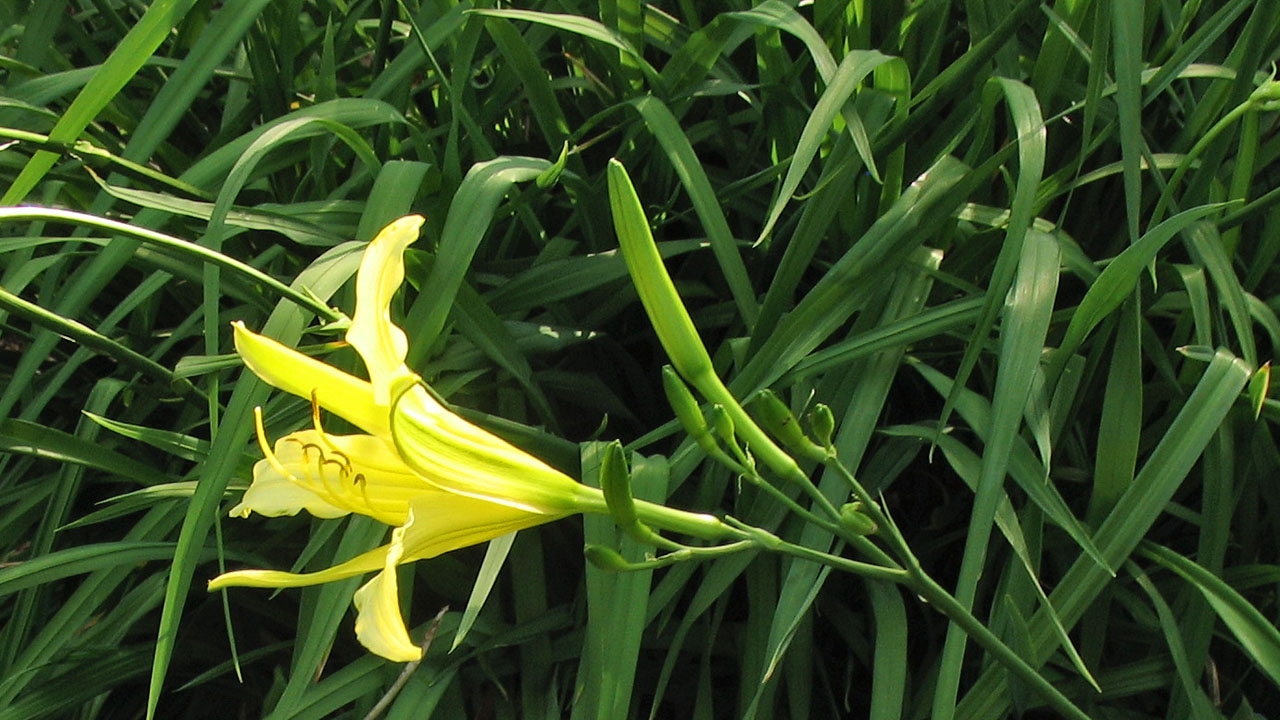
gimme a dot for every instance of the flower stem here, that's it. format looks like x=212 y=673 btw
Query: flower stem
x=699 y=525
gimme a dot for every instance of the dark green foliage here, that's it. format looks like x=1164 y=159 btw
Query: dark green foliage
x=1024 y=252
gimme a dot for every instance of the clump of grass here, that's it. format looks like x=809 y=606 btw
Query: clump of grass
x=1024 y=252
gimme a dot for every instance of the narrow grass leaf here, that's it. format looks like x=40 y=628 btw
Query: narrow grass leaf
x=1257 y=635
x=25 y=437
x=1022 y=337
x=1206 y=243
x=1200 y=703
x=1127 y=23
x=667 y=131
x=78 y=560
x=929 y=202
x=856 y=66
x=470 y=215
x=583 y=26
x=889 y=676
x=1119 y=279
x=534 y=80
x=1029 y=121
x=495 y=556
x=1135 y=512
x=127 y=58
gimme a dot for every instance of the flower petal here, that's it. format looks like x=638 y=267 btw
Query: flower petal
x=273 y=494
x=444 y=522
x=438 y=523
x=379 y=624
x=379 y=341
x=463 y=458
x=289 y=370
x=358 y=565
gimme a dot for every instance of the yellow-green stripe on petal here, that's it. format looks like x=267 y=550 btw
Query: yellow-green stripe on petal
x=462 y=458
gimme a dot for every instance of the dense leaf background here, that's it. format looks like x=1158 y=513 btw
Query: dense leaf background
x=1025 y=251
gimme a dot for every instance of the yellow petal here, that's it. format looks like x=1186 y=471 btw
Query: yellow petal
x=365 y=475
x=462 y=458
x=379 y=624
x=359 y=565
x=445 y=522
x=273 y=494
x=330 y=476
x=289 y=370
x=380 y=342
x=438 y=523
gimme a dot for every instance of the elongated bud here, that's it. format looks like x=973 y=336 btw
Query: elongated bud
x=687 y=410
x=778 y=419
x=722 y=424
x=606 y=558
x=615 y=483
x=671 y=321
x=824 y=425
x=852 y=519
x=653 y=284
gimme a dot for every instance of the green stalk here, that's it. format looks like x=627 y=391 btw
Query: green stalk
x=1264 y=97
x=926 y=587
x=699 y=525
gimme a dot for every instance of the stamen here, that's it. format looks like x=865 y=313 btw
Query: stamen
x=265 y=445
x=315 y=419
x=360 y=482
x=324 y=492
x=337 y=488
x=322 y=488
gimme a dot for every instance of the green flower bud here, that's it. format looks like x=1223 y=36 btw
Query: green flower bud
x=1266 y=95
x=722 y=425
x=606 y=558
x=852 y=519
x=666 y=310
x=824 y=424
x=778 y=419
x=615 y=481
x=687 y=410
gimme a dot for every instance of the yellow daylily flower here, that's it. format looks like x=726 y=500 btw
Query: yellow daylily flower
x=440 y=481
